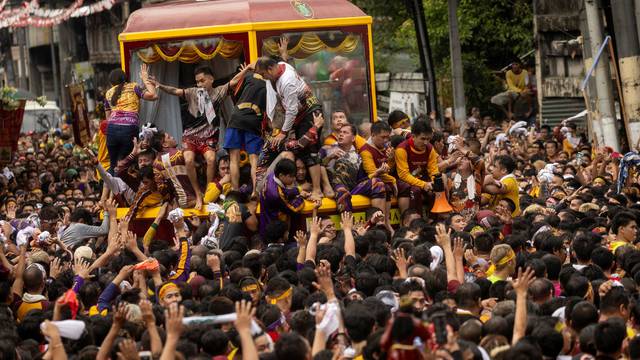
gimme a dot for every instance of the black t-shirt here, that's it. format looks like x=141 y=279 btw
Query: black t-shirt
x=250 y=97
x=189 y=121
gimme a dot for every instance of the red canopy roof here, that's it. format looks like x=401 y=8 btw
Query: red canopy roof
x=191 y=14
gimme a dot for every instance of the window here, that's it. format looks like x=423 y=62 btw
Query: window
x=334 y=64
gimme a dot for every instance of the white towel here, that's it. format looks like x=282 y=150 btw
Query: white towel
x=519 y=128
x=69 y=329
x=210 y=240
x=272 y=100
x=147 y=131
x=219 y=319
x=471 y=185
x=175 y=215
x=205 y=105
x=331 y=319
x=451 y=141
x=23 y=235
x=436 y=257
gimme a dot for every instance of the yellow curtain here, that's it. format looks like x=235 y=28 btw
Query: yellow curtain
x=311 y=43
x=190 y=53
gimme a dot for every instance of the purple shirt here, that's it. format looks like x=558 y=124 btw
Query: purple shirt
x=278 y=202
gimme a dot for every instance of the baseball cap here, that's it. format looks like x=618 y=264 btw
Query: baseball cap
x=83 y=252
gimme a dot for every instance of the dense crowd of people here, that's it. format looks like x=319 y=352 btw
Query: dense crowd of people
x=513 y=241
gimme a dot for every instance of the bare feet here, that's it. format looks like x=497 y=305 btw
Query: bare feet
x=316 y=196
x=328 y=192
x=198 y=204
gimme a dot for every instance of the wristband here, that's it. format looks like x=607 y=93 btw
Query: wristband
x=154 y=226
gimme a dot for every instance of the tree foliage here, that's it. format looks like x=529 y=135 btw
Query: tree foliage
x=492 y=34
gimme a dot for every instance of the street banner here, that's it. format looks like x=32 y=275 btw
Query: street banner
x=10 y=124
x=81 y=129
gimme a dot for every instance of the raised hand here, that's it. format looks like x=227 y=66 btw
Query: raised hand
x=324 y=283
x=244 y=67
x=162 y=212
x=458 y=248
x=283 y=46
x=124 y=273
x=173 y=320
x=318 y=119
x=604 y=288
x=144 y=72
x=55 y=268
x=147 y=312
x=128 y=350
x=360 y=228
x=470 y=257
x=136 y=147
x=315 y=226
x=123 y=228
x=377 y=217
x=398 y=256
x=301 y=238
x=90 y=155
x=81 y=268
x=346 y=221
x=244 y=315
x=522 y=283
x=120 y=315
x=132 y=240
x=213 y=262
x=443 y=237
x=110 y=206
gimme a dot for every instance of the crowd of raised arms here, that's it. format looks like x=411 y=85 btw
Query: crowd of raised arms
x=481 y=238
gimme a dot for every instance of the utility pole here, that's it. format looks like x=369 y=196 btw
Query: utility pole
x=629 y=64
x=460 y=111
x=22 y=44
x=54 y=67
x=590 y=93
x=424 y=50
x=637 y=12
x=607 y=116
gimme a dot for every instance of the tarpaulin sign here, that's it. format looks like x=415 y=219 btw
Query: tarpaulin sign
x=10 y=124
x=81 y=129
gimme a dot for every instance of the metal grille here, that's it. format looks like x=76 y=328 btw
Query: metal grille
x=554 y=110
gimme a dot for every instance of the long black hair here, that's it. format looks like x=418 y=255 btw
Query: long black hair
x=118 y=78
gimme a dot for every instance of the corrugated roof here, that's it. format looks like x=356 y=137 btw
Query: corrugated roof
x=554 y=110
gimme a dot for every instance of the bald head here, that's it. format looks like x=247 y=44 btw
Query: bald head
x=33 y=280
